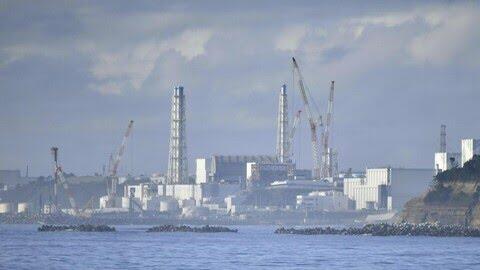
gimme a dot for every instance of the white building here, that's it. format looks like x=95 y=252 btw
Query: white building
x=158 y=178
x=387 y=188
x=203 y=166
x=470 y=147
x=445 y=161
x=323 y=201
x=181 y=191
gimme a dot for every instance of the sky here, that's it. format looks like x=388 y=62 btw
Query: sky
x=72 y=74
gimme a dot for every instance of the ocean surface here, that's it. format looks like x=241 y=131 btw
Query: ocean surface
x=253 y=247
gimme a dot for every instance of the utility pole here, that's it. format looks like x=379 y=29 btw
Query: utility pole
x=54 y=151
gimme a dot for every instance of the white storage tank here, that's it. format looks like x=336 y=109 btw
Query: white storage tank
x=23 y=207
x=195 y=211
x=125 y=202
x=48 y=208
x=6 y=208
x=187 y=203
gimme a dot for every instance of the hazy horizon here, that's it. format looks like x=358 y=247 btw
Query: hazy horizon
x=72 y=74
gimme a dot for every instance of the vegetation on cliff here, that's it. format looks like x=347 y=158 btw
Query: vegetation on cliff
x=449 y=187
x=470 y=172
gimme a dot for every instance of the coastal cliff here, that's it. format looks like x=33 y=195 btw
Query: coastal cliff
x=453 y=198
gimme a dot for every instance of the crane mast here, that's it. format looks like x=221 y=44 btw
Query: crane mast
x=327 y=166
x=113 y=173
x=312 y=122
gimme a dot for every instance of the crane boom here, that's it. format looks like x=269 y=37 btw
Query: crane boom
x=312 y=121
x=113 y=174
x=59 y=177
x=296 y=120
x=64 y=183
x=119 y=156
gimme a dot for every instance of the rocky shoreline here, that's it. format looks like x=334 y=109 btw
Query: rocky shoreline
x=184 y=228
x=76 y=228
x=383 y=229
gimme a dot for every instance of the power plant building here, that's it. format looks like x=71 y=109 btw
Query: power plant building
x=445 y=161
x=260 y=175
x=228 y=169
x=387 y=188
x=323 y=201
x=470 y=147
x=203 y=168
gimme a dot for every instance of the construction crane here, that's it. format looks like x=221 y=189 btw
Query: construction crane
x=113 y=178
x=313 y=122
x=296 y=120
x=327 y=165
x=59 y=176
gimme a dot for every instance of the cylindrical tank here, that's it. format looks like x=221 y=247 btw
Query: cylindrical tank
x=195 y=211
x=125 y=202
x=169 y=205
x=23 y=207
x=187 y=203
x=6 y=208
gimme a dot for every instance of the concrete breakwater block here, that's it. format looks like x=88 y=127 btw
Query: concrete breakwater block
x=384 y=229
x=184 y=228
x=76 y=228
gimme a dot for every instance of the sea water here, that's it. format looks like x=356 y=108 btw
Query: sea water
x=253 y=247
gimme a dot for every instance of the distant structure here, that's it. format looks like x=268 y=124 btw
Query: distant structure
x=228 y=169
x=282 y=128
x=329 y=158
x=386 y=188
x=470 y=147
x=177 y=172
x=443 y=159
x=443 y=139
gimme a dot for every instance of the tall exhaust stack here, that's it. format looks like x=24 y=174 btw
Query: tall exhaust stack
x=282 y=127
x=177 y=156
x=443 y=139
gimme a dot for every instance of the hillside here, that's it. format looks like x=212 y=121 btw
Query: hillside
x=452 y=199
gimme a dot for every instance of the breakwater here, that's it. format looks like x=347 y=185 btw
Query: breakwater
x=76 y=228
x=383 y=229
x=184 y=228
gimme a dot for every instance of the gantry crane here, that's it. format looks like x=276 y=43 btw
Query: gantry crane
x=313 y=122
x=112 y=180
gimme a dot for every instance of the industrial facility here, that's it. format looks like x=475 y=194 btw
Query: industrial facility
x=255 y=188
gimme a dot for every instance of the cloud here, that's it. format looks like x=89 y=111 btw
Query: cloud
x=387 y=20
x=130 y=67
x=452 y=37
x=437 y=34
x=191 y=43
x=290 y=38
x=121 y=61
